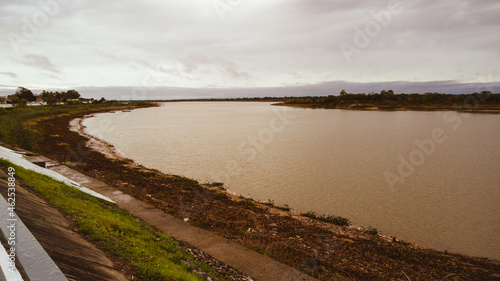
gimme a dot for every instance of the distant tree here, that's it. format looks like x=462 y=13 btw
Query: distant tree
x=24 y=93
x=102 y=100
x=22 y=103
x=44 y=94
x=58 y=96
x=51 y=100
x=13 y=98
x=49 y=97
x=71 y=94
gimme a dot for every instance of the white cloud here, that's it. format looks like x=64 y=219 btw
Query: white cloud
x=258 y=44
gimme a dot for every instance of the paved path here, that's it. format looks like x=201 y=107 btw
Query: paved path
x=249 y=262
x=77 y=258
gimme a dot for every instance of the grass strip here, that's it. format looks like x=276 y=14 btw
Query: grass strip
x=14 y=122
x=154 y=255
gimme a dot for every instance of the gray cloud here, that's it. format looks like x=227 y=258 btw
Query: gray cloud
x=10 y=74
x=197 y=64
x=258 y=44
x=40 y=62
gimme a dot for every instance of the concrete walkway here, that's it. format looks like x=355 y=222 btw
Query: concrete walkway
x=74 y=256
x=249 y=262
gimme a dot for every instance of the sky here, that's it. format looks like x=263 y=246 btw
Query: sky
x=174 y=49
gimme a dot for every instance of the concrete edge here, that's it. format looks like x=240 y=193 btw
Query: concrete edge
x=35 y=262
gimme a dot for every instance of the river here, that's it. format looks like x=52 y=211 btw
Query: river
x=432 y=178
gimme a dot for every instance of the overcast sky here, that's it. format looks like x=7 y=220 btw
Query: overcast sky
x=189 y=48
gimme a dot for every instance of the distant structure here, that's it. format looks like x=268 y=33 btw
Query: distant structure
x=3 y=99
x=39 y=100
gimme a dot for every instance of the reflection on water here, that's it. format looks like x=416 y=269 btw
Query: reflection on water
x=426 y=177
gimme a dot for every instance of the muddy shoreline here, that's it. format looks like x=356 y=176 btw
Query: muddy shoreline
x=95 y=143
x=326 y=251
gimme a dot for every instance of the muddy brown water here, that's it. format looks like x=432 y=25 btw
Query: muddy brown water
x=432 y=178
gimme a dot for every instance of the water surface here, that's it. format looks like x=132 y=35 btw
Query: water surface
x=334 y=162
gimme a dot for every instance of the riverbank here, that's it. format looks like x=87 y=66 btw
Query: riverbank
x=484 y=102
x=135 y=247
x=323 y=250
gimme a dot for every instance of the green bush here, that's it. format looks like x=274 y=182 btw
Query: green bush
x=284 y=207
x=337 y=220
x=370 y=230
x=269 y=203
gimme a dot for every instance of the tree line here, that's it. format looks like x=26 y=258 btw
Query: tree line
x=24 y=95
x=389 y=99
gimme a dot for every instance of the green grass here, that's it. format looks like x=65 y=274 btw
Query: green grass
x=14 y=129
x=154 y=255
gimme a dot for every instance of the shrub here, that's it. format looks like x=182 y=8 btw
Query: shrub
x=370 y=230
x=269 y=203
x=285 y=207
x=247 y=202
x=337 y=220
